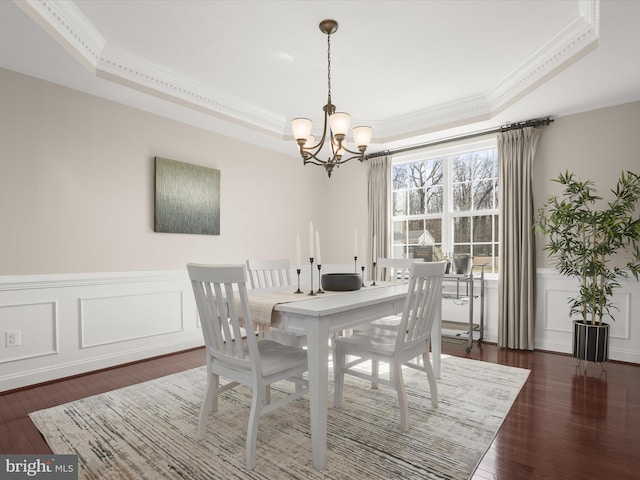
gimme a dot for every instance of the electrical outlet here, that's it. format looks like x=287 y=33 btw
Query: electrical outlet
x=12 y=338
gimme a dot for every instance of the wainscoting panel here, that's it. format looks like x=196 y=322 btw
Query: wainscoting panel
x=112 y=319
x=557 y=308
x=74 y=323
x=37 y=326
x=553 y=329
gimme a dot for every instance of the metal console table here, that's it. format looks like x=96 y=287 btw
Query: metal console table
x=466 y=281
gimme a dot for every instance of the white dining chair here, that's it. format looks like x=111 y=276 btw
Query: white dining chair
x=269 y=273
x=275 y=273
x=398 y=346
x=396 y=269
x=235 y=352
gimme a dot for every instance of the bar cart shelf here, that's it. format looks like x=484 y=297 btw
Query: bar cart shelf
x=465 y=293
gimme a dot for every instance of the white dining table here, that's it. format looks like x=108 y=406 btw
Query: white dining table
x=321 y=315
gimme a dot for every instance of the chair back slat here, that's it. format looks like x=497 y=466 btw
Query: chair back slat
x=213 y=328
x=269 y=273
x=396 y=269
x=424 y=298
x=223 y=306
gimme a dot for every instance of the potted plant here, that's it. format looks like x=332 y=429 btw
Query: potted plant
x=583 y=234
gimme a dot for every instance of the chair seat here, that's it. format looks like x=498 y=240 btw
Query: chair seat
x=380 y=342
x=274 y=357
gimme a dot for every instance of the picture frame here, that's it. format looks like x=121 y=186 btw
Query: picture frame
x=187 y=198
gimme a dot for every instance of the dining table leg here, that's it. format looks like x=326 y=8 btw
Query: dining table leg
x=318 y=358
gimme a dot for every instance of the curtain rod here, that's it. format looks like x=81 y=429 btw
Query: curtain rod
x=536 y=122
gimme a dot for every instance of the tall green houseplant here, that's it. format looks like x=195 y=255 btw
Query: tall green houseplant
x=582 y=239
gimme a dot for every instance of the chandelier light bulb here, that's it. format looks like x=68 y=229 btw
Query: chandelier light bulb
x=362 y=136
x=301 y=128
x=339 y=122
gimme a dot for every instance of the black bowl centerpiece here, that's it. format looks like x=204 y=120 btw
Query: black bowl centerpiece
x=341 y=282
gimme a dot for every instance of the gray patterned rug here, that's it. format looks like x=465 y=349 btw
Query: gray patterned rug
x=147 y=431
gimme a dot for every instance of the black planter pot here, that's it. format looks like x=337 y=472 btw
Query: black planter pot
x=590 y=342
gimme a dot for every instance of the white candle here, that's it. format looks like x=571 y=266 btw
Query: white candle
x=311 y=239
x=298 y=252
x=364 y=252
x=319 y=258
x=375 y=249
x=355 y=242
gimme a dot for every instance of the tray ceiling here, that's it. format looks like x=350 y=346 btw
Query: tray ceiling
x=410 y=69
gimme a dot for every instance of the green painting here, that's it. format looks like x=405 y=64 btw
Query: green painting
x=187 y=198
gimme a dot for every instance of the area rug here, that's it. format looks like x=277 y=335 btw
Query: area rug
x=147 y=431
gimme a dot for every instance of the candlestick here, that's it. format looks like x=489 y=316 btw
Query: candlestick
x=318 y=258
x=319 y=282
x=298 y=291
x=311 y=269
x=355 y=242
x=355 y=264
x=363 y=285
x=375 y=249
x=374 y=274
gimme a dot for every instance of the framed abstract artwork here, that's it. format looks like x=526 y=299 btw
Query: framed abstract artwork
x=187 y=198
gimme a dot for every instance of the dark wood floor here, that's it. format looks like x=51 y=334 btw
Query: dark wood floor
x=565 y=424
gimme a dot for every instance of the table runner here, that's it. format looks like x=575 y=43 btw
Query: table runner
x=261 y=304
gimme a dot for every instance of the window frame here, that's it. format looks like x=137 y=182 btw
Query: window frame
x=448 y=214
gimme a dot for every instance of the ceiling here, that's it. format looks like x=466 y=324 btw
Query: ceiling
x=413 y=70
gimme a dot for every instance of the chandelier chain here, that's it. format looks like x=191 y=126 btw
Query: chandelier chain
x=329 y=65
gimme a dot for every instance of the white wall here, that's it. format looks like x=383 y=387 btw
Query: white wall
x=595 y=146
x=77 y=187
x=83 y=276
x=89 y=284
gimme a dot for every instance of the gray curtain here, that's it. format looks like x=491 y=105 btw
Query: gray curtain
x=516 y=284
x=379 y=177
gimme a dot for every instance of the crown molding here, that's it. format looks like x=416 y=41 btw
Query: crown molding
x=65 y=23
x=574 y=41
x=122 y=67
x=69 y=27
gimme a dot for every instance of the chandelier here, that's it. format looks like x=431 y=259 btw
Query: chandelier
x=337 y=122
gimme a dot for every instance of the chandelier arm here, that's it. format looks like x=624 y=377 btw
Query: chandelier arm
x=313 y=151
x=318 y=146
x=309 y=158
x=345 y=160
x=355 y=152
x=315 y=161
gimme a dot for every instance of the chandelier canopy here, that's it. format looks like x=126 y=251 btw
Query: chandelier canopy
x=336 y=126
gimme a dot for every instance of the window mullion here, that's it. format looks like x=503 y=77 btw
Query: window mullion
x=447 y=210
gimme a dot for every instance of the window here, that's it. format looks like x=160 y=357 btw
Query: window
x=445 y=201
